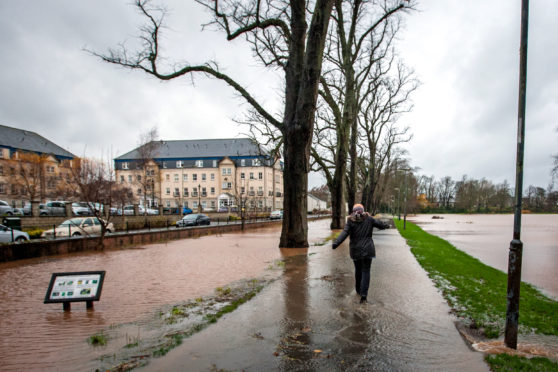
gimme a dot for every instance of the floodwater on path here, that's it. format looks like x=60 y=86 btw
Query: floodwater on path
x=488 y=237
x=37 y=336
x=310 y=319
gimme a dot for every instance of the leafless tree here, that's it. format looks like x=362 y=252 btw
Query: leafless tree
x=361 y=39
x=289 y=35
x=148 y=145
x=93 y=182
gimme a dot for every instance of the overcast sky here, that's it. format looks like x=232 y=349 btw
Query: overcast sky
x=465 y=53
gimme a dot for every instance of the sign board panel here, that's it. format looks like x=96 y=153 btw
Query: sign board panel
x=75 y=286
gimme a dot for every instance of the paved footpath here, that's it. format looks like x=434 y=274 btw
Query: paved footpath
x=310 y=320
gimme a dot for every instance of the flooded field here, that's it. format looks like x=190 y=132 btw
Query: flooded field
x=37 y=336
x=487 y=237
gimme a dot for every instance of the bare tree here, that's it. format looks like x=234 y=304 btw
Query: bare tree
x=93 y=182
x=29 y=174
x=362 y=35
x=287 y=35
x=148 y=146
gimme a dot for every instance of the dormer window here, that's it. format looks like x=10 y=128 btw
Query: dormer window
x=180 y=164
x=125 y=165
x=199 y=163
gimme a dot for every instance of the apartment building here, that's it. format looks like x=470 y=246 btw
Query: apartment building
x=31 y=167
x=218 y=174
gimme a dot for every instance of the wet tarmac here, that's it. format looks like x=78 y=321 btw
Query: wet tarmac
x=310 y=320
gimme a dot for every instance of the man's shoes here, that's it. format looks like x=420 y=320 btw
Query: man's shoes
x=363 y=300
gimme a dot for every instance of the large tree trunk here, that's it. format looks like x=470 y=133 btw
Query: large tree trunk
x=301 y=93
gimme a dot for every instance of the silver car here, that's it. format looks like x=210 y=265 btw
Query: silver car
x=5 y=209
x=9 y=235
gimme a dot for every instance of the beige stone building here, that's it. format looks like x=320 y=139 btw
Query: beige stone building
x=31 y=167
x=218 y=174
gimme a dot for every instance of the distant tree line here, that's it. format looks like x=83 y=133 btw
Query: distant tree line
x=479 y=196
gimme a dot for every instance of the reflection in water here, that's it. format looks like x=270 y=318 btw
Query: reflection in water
x=138 y=281
x=295 y=326
x=487 y=237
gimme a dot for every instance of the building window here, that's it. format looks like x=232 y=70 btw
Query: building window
x=139 y=191
x=213 y=191
x=226 y=171
x=130 y=179
x=204 y=191
x=168 y=204
x=185 y=191
x=168 y=190
x=167 y=177
x=204 y=204
x=251 y=175
x=194 y=192
x=194 y=177
x=243 y=190
x=256 y=163
x=242 y=175
x=242 y=162
x=199 y=163
x=125 y=165
x=212 y=176
x=14 y=189
x=185 y=178
x=227 y=185
x=138 y=178
x=176 y=178
x=194 y=204
x=260 y=176
x=213 y=204
x=180 y=164
x=203 y=177
x=2 y=188
x=214 y=163
x=176 y=191
x=121 y=179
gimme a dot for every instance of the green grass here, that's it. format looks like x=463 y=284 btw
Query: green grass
x=98 y=339
x=509 y=363
x=475 y=291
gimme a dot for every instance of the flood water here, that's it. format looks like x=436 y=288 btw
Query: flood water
x=488 y=237
x=138 y=281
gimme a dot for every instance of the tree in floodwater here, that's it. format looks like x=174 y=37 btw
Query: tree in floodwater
x=360 y=42
x=289 y=35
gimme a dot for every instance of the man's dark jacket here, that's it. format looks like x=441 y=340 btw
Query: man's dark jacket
x=360 y=228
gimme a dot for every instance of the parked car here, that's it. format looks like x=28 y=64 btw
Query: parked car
x=77 y=227
x=187 y=211
x=195 y=219
x=19 y=212
x=6 y=209
x=276 y=215
x=128 y=210
x=55 y=208
x=81 y=209
x=6 y=235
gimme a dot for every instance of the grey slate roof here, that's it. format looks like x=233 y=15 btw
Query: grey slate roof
x=30 y=141
x=205 y=148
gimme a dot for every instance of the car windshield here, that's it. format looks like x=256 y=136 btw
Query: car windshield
x=73 y=222
x=190 y=217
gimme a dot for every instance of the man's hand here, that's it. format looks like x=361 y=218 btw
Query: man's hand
x=334 y=245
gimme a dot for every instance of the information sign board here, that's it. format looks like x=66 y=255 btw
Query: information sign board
x=75 y=286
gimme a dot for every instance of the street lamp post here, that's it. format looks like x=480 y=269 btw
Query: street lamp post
x=405 y=205
x=516 y=246
x=397 y=203
x=199 y=198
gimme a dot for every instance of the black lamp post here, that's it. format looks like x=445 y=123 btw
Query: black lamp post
x=199 y=198
x=516 y=245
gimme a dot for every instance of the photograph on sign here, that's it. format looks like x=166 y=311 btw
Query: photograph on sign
x=75 y=286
